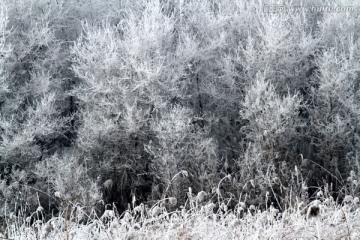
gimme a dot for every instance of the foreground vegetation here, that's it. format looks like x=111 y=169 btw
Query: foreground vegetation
x=322 y=218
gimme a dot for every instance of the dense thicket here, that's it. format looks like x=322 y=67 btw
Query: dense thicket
x=126 y=101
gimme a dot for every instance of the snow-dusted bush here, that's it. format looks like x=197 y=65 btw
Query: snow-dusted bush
x=273 y=122
x=334 y=97
x=33 y=123
x=76 y=188
x=181 y=147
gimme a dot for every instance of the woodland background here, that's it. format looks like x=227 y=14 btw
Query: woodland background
x=128 y=102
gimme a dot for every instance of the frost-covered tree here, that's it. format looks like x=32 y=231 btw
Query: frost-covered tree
x=272 y=117
x=5 y=51
x=33 y=105
x=182 y=154
x=34 y=122
x=333 y=99
x=271 y=134
x=125 y=78
x=335 y=119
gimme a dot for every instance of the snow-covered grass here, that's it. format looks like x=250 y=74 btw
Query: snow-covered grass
x=320 y=219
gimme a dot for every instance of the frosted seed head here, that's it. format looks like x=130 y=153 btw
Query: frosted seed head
x=240 y=209
x=346 y=208
x=138 y=209
x=184 y=173
x=108 y=184
x=266 y=133
x=304 y=163
x=319 y=194
x=223 y=206
x=201 y=196
x=327 y=201
x=348 y=199
x=349 y=179
x=156 y=211
x=53 y=224
x=209 y=208
x=218 y=192
x=172 y=201
x=40 y=209
x=242 y=204
x=275 y=211
x=211 y=205
x=356 y=200
x=58 y=194
x=108 y=214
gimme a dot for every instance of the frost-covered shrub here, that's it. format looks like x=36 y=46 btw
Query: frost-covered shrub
x=66 y=178
x=181 y=146
x=335 y=107
x=273 y=120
